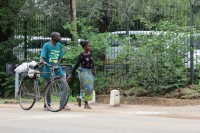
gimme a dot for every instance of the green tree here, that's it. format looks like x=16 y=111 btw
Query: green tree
x=9 y=10
x=143 y=14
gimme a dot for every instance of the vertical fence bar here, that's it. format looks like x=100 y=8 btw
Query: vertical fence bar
x=25 y=39
x=16 y=84
x=127 y=18
x=191 y=43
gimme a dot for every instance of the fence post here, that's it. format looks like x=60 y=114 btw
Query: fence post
x=25 y=39
x=114 y=98
x=127 y=19
x=191 y=42
x=16 y=84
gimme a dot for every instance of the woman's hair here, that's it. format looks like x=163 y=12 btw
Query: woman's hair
x=84 y=43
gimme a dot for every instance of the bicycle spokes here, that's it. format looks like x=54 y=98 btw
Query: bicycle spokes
x=27 y=94
x=56 y=95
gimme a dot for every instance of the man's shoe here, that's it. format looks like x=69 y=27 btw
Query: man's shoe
x=46 y=109
x=67 y=107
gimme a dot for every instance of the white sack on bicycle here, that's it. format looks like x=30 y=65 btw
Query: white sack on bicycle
x=24 y=67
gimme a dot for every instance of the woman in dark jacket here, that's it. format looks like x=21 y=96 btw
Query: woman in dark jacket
x=86 y=72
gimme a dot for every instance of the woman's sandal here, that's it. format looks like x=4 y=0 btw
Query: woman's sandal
x=87 y=107
x=79 y=101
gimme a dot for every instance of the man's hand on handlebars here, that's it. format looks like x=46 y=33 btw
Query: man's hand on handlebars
x=56 y=68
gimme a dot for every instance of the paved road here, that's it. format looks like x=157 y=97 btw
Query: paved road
x=101 y=119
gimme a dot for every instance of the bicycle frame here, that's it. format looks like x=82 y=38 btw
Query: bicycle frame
x=27 y=99
x=36 y=83
x=37 y=89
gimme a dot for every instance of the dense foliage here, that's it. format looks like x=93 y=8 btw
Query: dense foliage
x=155 y=66
x=6 y=80
x=9 y=10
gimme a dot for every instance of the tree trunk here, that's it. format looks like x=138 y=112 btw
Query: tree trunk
x=74 y=21
x=103 y=24
x=105 y=20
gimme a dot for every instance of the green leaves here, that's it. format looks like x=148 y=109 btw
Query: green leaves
x=8 y=13
x=157 y=63
x=7 y=85
x=7 y=82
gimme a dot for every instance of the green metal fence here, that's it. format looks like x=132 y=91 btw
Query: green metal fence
x=156 y=44
x=33 y=33
x=171 y=33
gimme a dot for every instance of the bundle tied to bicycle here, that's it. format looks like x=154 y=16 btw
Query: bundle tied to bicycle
x=56 y=93
x=30 y=68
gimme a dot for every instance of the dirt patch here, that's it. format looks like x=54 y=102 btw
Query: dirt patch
x=155 y=101
x=171 y=97
x=181 y=116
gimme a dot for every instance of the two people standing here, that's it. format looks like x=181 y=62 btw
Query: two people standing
x=52 y=53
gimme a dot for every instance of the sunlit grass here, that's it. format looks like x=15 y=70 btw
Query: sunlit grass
x=15 y=100
x=10 y=100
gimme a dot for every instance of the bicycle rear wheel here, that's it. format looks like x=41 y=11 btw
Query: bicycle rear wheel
x=27 y=93
x=56 y=95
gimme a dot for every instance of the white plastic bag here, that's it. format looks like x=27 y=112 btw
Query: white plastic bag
x=33 y=64
x=24 y=67
x=31 y=73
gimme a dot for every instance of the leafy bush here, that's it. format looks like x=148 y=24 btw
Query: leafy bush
x=6 y=56
x=7 y=82
x=101 y=82
x=7 y=85
x=157 y=64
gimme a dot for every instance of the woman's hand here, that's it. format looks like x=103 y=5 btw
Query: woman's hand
x=94 y=72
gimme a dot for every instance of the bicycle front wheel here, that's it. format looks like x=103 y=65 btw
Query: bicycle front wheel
x=27 y=94
x=56 y=95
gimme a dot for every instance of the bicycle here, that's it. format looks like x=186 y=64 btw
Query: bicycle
x=56 y=90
